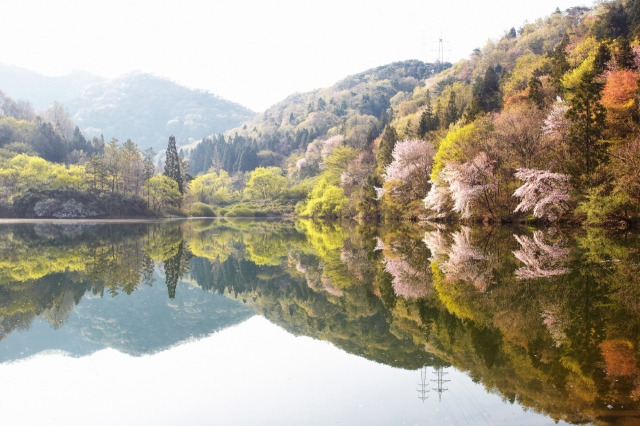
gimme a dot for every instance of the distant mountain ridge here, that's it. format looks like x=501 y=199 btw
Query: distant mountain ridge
x=142 y=107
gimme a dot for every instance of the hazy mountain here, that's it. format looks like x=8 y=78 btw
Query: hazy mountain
x=142 y=107
x=144 y=322
x=41 y=90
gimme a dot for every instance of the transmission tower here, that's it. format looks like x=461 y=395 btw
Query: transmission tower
x=423 y=386
x=440 y=58
x=440 y=379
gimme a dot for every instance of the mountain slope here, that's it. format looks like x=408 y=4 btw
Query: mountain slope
x=148 y=109
x=142 y=107
x=41 y=90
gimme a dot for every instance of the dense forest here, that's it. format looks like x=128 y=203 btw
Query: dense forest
x=541 y=124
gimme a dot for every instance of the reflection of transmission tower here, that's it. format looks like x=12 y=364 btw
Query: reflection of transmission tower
x=440 y=380
x=423 y=386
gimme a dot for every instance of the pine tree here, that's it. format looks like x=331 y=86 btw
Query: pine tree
x=490 y=98
x=625 y=57
x=559 y=64
x=587 y=117
x=451 y=112
x=603 y=55
x=535 y=95
x=387 y=143
x=172 y=164
x=423 y=124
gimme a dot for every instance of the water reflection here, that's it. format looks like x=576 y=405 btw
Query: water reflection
x=545 y=318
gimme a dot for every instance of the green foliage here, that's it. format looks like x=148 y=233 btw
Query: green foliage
x=601 y=207
x=451 y=149
x=162 y=193
x=201 y=210
x=212 y=188
x=240 y=211
x=265 y=183
x=587 y=117
x=336 y=163
x=325 y=200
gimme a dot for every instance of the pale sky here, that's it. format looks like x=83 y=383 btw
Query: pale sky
x=253 y=52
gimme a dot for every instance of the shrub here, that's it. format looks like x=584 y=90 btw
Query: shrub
x=238 y=211
x=202 y=210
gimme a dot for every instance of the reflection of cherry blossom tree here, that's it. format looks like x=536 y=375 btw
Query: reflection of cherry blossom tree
x=461 y=260
x=408 y=282
x=437 y=244
x=556 y=326
x=411 y=273
x=466 y=262
x=546 y=193
x=540 y=259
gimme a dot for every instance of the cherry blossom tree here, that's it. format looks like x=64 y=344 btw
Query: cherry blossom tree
x=407 y=176
x=540 y=258
x=357 y=171
x=556 y=124
x=330 y=144
x=438 y=199
x=544 y=192
x=468 y=182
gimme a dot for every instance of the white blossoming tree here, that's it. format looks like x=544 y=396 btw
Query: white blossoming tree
x=543 y=192
x=406 y=178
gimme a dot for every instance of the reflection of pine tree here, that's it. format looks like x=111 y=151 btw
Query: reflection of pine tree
x=175 y=268
x=147 y=271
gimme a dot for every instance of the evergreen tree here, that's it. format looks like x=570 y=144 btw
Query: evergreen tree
x=423 y=124
x=559 y=64
x=587 y=117
x=172 y=164
x=512 y=33
x=625 y=56
x=603 y=55
x=535 y=95
x=387 y=143
x=451 y=111
x=490 y=98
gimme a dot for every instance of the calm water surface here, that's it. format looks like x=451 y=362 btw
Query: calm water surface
x=292 y=323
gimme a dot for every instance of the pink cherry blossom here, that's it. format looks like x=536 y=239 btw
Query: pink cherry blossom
x=544 y=192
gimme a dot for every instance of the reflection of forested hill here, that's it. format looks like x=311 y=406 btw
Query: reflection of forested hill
x=144 y=322
x=547 y=318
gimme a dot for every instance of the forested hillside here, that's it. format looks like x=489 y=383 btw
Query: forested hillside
x=137 y=106
x=541 y=123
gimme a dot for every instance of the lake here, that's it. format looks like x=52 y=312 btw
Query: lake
x=241 y=322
